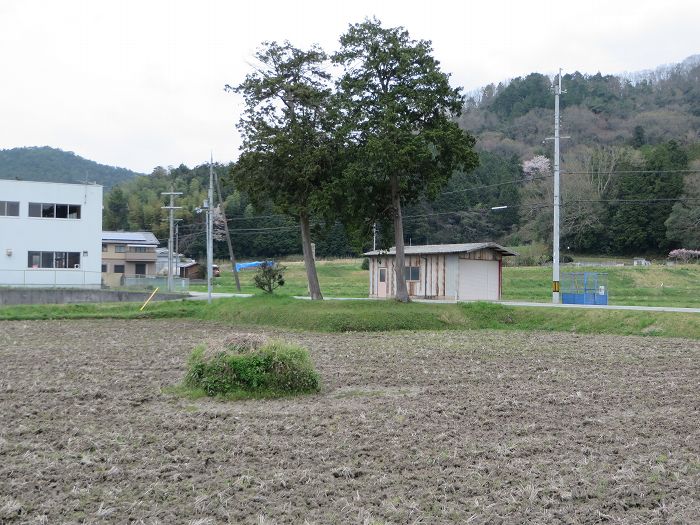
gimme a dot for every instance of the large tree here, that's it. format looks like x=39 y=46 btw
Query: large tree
x=400 y=134
x=287 y=142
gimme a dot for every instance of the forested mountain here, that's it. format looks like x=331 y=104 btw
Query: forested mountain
x=55 y=165
x=630 y=176
x=630 y=168
x=639 y=108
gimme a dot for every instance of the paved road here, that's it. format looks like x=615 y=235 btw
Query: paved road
x=605 y=307
x=202 y=296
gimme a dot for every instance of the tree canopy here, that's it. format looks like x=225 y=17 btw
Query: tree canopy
x=288 y=148
x=398 y=108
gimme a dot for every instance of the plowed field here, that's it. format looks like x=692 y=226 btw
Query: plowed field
x=410 y=427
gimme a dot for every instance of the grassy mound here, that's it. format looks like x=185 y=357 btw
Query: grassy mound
x=251 y=368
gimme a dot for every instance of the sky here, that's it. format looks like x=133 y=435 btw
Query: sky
x=140 y=83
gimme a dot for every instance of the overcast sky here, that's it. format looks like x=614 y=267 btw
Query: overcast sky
x=139 y=83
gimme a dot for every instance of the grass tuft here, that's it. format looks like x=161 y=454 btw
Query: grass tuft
x=275 y=369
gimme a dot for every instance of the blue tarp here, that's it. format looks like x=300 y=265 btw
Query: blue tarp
x=254 y=264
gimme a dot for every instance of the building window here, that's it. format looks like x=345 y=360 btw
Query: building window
x=64 y=260
x=104 y=247
x=139 y=249
x=140 y=269
x=104 y=268
x=118 y=268
x=9 y=208
x=119 y=248
x=412 y=273
x=382 y=275
x=48 y=210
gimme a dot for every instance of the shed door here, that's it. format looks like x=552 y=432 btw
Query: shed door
x=381 y=285
x=478 y=280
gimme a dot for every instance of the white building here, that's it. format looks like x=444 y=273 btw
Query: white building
x=50 y=234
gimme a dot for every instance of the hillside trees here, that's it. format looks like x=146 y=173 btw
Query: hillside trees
x=641 y=225
x=115 y=210
x=397 y=106
x=54 y=165
x=616 y=124
x=588 y=183
x=288 y=149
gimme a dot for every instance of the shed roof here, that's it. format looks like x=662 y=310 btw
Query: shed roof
x=138 y=238
x=445 y=248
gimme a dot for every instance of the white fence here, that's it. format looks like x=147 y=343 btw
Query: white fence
x=50 y=278
x=180 y=284
x=59 y=278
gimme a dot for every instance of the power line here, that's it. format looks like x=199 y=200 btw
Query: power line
x=677 y=199
x=277 y=228
x=258 y=231
x=257 y=217
x=548 y=205
x=516 y=181
x=629 y=172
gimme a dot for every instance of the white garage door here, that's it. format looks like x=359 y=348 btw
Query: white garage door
x=478 y=280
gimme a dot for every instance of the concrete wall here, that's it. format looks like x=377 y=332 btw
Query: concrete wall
x=13 y=296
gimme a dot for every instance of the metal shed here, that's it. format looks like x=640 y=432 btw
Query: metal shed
x=463 y=272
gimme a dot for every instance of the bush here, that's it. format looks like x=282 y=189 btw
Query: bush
x=274 y=369
x=365 y=264
x=269 y=276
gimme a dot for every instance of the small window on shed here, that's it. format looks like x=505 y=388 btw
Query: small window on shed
x=412 y=273
x=382 y=275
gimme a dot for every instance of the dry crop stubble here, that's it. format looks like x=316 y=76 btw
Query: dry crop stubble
x=477 y=427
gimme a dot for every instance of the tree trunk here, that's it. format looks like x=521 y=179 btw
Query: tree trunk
x=400 y=263
x=309 y=263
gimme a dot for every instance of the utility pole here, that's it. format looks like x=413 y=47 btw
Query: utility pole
x=228 y=236
x=210 y=230
x=555 y=237
x=177 y=246
x=374 y=236
x=171 y=208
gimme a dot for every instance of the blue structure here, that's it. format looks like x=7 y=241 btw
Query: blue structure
x=584 y=288
x=255 y=264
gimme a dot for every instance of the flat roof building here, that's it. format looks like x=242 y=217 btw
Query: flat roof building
x=50 y=234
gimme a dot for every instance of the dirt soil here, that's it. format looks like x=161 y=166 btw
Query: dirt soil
x=451 y=427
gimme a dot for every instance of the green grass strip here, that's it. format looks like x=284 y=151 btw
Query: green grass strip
x=373 y=316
